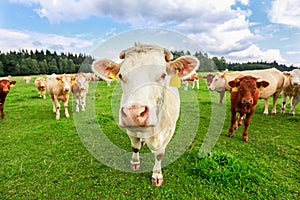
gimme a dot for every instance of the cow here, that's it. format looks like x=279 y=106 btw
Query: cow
x=59 y=90
x=244 y=95
x=291 y=89
x=209 y=79
x=194 y=78
x=27 y=79
x=272 y=75
x=80 y=89
x=40 y=84
x=150 y=103
x=5 y=85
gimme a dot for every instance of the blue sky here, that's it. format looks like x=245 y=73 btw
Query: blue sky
x=239 y=30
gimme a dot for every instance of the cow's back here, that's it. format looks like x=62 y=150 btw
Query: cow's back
x=52 y=85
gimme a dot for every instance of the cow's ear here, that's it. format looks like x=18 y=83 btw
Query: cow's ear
x=184 y=64
x=262 y=84
x=287 y=74
x=106 y=69
x=234 y=83
x=12 y=83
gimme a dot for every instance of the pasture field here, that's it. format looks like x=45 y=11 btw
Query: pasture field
x=42 y=158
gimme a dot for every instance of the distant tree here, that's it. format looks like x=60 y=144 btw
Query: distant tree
x=52 y=66
x=1 y=69
x=43 y=66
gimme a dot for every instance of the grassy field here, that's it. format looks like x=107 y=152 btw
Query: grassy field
x=42 y=158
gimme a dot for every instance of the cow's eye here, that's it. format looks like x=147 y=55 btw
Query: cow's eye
x=121 y=77
x=163 y=76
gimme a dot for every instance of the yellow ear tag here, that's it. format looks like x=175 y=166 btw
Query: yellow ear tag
x=72 y=82
x=175 y=81
x=60 y=82
x=234 y=89
x=261 y=88
x=113 y=76
x=12 y=85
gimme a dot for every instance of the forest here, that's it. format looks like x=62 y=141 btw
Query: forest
x=24 y=62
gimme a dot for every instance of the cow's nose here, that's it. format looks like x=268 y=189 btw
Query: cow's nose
x=295 y=83
x=247 y=101
x=135 y=115
x=67 y=89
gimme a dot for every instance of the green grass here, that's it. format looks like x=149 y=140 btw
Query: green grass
x=42 y=158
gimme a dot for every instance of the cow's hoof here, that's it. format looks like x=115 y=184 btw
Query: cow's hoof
x=143 y=143
x=229 y=135
x=245 y=139
x=157 y=181
x=135 y=166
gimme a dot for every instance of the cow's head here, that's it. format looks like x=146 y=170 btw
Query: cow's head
x=145 y=74
x=82 y=82
x=66 y=81
x=41 y=82
x=5 y=85
x=294 y=77
x=209 y=78
x=247 y=87
x=218 y=82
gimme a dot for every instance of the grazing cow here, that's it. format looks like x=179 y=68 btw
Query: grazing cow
x=194 y=78
x=244 y=94
x=273 y=76
x=80 y=88
x=150 y=105
x=40 y=84
x=291 y=89
x=5 y=85
x=209 y=79
x=27 y=79
x=59 y=90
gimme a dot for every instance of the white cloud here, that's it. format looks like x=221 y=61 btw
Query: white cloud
x=285 y=12
x=15 y=40
x=254 y=53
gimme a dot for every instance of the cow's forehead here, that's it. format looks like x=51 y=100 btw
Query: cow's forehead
x=81 y=79
x=296 y=72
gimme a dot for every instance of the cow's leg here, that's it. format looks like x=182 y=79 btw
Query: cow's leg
x=66 y=108
x=222 y=94
x=44 y=94
x=197 y=84
x=76 y=104
x=53 y=104
x=246 y=124
x=266 y=111
x=2 y=112
x=233 y=123
x=135 y=159
x=193 y=86
x=275 y=97
x=283 y=102
x=83 y=103
x=295 y=101
x=39 y=93
x=157 y=177
x=57 y=104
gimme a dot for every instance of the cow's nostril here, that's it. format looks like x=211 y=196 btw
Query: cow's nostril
x=123 y=113
x=145 y=112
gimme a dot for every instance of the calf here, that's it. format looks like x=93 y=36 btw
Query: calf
x=59 y=90
x=5 y=85
x=150 y=103
x=80 y=89
x=291 y=89
x=244 y=94
x=27 y=79
x=194 y=78
x=40 y=84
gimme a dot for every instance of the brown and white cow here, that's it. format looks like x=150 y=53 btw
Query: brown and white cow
x=149 y=106
x=273 y=76
x=193 y=78
x=209 y=79
x=80 y=89
x=244 y=94
x=27 y=79
x=291 y=89
x=40 y=84
x=5 y=85
x=59 y=88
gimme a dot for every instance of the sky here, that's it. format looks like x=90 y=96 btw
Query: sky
x=238 y=30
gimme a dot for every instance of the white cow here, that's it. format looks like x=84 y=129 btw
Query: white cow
x=80 y=89
x=59 y=89
x=273 y=76
x=149 y=106
x=291 y=89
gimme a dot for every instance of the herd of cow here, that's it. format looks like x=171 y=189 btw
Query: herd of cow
x=150 y=103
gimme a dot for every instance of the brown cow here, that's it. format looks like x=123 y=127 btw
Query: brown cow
x=4 y=89
x=40 y=84
x=244 y=95
x=59 y=88
x=193 y=78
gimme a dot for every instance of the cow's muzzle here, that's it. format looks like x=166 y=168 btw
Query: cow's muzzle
x=137 y=115
x=247 y=101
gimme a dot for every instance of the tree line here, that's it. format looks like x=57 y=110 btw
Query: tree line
x=24 y=62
